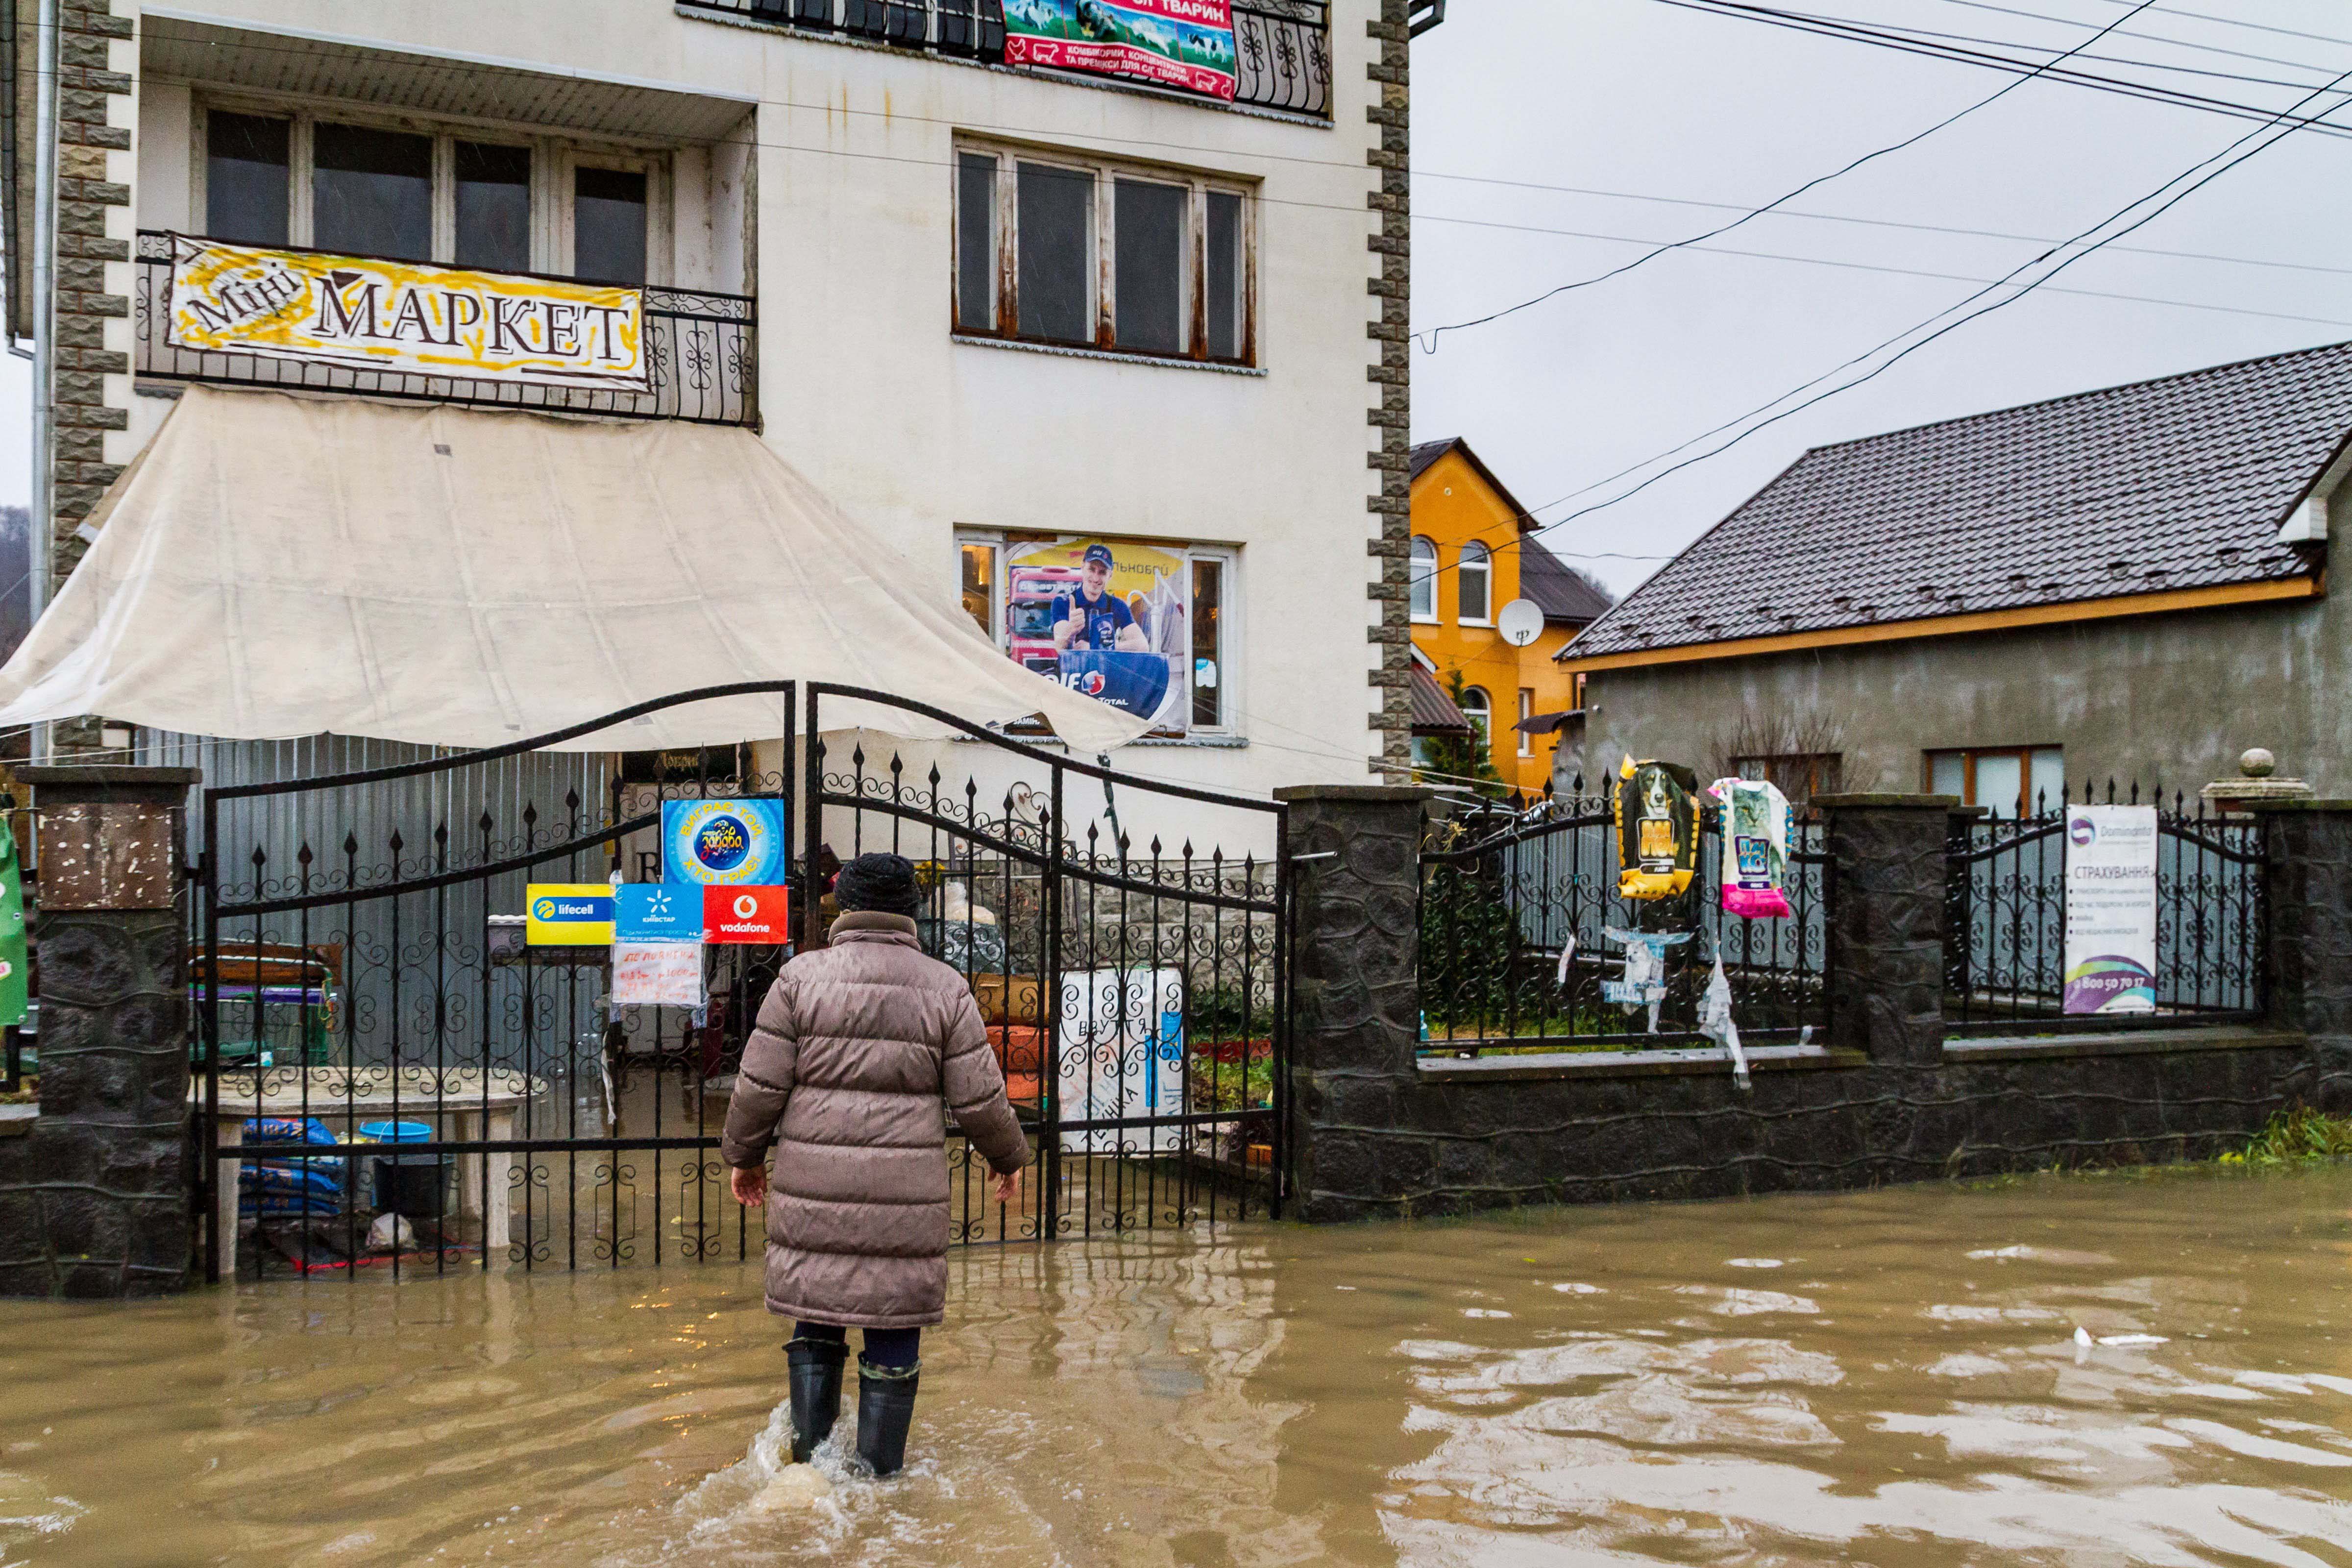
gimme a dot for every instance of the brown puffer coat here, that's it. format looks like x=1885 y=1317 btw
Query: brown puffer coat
x=857 y=1048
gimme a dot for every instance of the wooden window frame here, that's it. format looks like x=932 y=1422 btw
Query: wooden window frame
x=1004 y=303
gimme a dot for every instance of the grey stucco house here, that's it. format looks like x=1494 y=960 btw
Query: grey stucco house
x=2129 y=584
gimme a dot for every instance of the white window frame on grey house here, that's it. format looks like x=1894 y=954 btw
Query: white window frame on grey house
x=1212 y=327
x=2040 y=776
x=554 y=163
x=1231 y=642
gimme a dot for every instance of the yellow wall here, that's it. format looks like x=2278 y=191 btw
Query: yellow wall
x=1453 y=505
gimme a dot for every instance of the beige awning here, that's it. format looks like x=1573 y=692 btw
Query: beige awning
x=278 y=565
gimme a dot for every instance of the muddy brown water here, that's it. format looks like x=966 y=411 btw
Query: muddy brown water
x=1891 y=1377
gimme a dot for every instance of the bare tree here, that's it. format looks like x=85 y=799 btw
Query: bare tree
x=1801 y=753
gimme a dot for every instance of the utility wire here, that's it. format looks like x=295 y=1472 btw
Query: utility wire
x=2285 y=124
x=2230 y=22
x=2164 y=39
x=1895 y=271
x=1840 y=217
x=1432 y=336
x=1855 y=32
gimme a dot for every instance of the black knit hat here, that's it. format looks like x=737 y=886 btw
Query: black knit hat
x=882 y=883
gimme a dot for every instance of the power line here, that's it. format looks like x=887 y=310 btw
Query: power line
x=1837 y=217
x=1430 y=346
x=2164 y=39
x=1877 y=267
x=1855 y=32
x=2235 y=22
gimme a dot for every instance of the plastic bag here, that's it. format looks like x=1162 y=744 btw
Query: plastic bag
x=1657 y=829
x=1755 y=848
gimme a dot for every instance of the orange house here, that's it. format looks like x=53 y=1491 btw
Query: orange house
x=1471 y=556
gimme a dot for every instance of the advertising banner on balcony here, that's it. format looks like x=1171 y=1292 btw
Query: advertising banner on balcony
x=2110 y=908
x=404 y=316
x=1186 y=44
x=1109 y=618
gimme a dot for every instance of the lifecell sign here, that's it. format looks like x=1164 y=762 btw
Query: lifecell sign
x=568 y=914
x=746 y=914
x=371 y=314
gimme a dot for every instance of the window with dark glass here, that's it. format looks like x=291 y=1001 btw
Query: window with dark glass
x=1148 y=227
x=247 y=178
x=1208 y=641
x=1223 y=286
x=493 y=207
x=372 y=192
x=1055 y=272
x=1141 y=260
x=608 y=224
x=975 y=242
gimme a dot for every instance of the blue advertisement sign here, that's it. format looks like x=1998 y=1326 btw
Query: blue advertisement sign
x=657 y=912
x=723 y=842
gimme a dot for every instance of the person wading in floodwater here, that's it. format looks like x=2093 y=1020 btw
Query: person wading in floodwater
x=857 y=1049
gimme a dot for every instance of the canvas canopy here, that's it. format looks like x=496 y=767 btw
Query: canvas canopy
x=278 y=566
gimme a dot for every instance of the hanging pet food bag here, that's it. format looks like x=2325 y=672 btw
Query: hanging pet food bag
x=1755 y=848
x=1657 y=829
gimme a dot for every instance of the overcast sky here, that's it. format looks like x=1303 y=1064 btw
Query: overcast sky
x=1636 y=96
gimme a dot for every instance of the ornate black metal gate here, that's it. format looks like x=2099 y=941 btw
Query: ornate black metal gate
x=398 y=1079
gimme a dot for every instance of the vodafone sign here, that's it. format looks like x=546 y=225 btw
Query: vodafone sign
x=745 y=913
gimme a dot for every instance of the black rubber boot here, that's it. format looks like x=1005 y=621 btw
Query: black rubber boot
x=886 y=1408
x=815 y=1368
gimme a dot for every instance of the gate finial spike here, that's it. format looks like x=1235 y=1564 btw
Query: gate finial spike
x=486 y=824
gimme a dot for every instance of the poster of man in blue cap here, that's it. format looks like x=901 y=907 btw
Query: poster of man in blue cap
x=1109 y=618
x=1093 y=617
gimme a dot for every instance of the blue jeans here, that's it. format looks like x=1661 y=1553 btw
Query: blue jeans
x=883 y=1347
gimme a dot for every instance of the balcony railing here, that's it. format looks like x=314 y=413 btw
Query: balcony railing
x=1282 y=48
x=701 y=360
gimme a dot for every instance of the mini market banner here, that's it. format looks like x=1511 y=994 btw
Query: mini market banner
x=1186 y=44
x=371 y=314
x=2110 y=908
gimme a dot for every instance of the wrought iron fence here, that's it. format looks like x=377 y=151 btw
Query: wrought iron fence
x=375 y=1037
x=1517 y=906
x=1282 y=49
x=1135 y=983
x=701 y=360
x=2005 y=928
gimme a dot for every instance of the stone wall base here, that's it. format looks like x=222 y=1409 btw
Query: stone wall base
x=1425 y=1143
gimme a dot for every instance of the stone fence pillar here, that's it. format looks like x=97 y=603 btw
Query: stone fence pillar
x=2308 y=878
x=1356 y=1000
x=97 y=1200
x=1886 y=924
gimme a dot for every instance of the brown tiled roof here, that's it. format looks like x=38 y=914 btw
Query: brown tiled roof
x=1433 y=712
x=2177 y=483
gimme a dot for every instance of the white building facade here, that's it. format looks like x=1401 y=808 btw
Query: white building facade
x=995 y=311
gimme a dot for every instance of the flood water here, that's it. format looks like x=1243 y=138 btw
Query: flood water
x=1888 y=1377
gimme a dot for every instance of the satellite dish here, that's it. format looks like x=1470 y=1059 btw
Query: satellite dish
x=1520 y=623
